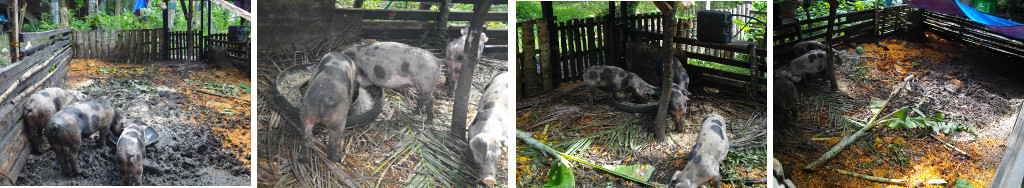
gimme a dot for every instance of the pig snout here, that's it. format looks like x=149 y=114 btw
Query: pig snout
x=486 y=151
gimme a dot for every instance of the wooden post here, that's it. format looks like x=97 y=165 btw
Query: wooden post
x=878 y=15
x=753 y=87
x=13 y=35
x=544 y=46
x=832 y=6
x=554 y=74
x=668 y=10
x=165 y=33
x=442 y=21
x=610 y=38
x=462 y=88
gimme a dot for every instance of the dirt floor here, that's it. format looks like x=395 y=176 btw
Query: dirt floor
x=204 y=138
x=610 y=137
x=968 y=84
x=397 y=150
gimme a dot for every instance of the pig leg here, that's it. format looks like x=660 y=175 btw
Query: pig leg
x=72 y=155
x=590 y=98
x=61 y=157
x=335 y=141
x=426 y=102
x=35 y=136
x=717 y=181
x=307 y=142
x=831 y=73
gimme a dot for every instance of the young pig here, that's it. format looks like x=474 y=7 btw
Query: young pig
x=613 y=79
x=394 y=65
x=40 y=106
x=785 y=94
x=327 y=102
x=487 y=133
x=802 y=48
x=680 y=92
x=813 y=62
x=131 y=151
x=705 y=156
x=66 y=128
x=455 y=56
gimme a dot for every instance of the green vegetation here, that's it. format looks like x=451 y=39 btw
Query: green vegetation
x=150 y=17
x=406 y=5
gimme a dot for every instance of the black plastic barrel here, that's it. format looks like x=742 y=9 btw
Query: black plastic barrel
x=714 y=26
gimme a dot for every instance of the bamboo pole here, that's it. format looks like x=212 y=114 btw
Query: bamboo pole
x=849 y=140
x=872 y=178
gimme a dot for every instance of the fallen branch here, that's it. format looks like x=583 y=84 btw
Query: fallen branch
x=849 y=140
x=219 y=95
x=561 y=156
x=951 y=146
x=872 y=178
x=747 y=181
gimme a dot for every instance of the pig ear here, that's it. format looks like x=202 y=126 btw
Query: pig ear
x=483 y=38
x=465 y=30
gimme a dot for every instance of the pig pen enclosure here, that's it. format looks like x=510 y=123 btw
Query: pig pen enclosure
x=943 y=90
x=154 y=76
x=726 y=78
x=396 y=149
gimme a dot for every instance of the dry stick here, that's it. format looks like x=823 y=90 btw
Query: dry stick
x=951 y=146
x=872 y=178
x=849 y=140
x=219 y=95
x=28 y=74
x=36 y=86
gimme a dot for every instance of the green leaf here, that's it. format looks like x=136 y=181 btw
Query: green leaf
x=639 y=171
x=561 y=176
x=938 y=116
x=877 y=105
x=962 y=183
x=228 y=112
x=244 y=86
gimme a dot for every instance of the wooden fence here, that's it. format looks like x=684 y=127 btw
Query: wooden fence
x=414 y=24
x=185 y=46
x=44 y=65
x=547 y=59
x=956 y=28
x=119 y=46
x=890 y=21
x=849 y=27
x=237 y=50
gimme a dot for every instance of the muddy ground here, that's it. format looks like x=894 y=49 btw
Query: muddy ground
x=968 y=84
x=191 y=150
x=397 y=150
x=562 y=117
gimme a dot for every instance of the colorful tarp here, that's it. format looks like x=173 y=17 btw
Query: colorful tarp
x=139 y=4
x=997 y=24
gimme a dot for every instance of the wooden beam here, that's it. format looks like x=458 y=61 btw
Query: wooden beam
x=234 y=9
x=1009 y=173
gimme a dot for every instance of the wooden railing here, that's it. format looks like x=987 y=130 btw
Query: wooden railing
x=551 y=53
x=44 y=65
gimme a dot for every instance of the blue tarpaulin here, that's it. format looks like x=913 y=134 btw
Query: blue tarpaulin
x=139 y=4
x=997 y=24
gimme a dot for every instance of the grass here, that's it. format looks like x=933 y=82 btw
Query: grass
x=719 y=66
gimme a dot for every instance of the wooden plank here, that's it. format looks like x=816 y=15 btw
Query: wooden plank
x=44 y=34
x=419 y=15
x=1009 y=173
x=529 y=59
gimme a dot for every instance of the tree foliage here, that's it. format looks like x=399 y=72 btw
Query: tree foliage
x=150 y=17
